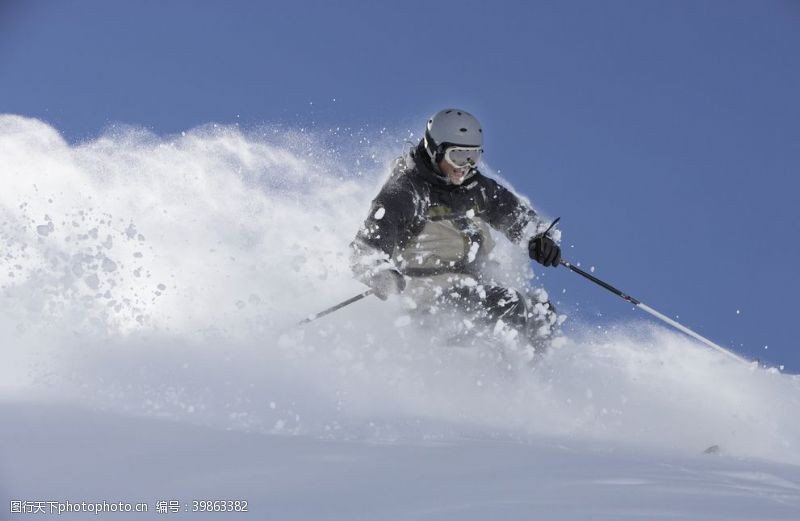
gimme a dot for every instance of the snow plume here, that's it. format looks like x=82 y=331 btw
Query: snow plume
x=163 y=276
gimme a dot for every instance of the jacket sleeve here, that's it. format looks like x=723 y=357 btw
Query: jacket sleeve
x=387 y=228
x=507 y=213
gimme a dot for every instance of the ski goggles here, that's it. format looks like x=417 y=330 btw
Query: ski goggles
x=463 y=157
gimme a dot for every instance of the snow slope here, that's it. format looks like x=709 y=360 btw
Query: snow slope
x=106 y=457
x=148 y=292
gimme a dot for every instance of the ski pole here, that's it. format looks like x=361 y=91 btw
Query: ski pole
x=653 y=312
x=331 y=309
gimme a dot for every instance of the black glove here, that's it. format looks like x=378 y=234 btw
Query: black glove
x=387 y=282
x=544 y=250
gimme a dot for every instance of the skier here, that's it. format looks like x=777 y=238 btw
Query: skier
x=427 y=232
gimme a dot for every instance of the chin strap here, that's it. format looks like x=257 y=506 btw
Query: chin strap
x=432 y=154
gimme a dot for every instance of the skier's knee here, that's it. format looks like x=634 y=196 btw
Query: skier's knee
x=507 y=305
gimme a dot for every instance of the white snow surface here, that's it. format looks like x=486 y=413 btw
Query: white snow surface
x=149 y=291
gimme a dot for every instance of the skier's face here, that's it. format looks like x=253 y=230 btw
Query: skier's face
x=454 y=175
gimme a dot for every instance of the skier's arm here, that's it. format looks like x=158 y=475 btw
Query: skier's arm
x=518 y=221
x=386 y=229
x=507 y=213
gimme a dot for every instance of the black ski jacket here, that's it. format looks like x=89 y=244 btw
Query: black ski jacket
x=415 y=195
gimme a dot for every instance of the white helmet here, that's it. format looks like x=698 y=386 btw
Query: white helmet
x=449 y=128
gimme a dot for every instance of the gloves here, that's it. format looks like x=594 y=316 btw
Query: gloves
x=544 y=250
x=387 y=282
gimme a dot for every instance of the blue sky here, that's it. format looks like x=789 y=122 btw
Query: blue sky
x=665 y=134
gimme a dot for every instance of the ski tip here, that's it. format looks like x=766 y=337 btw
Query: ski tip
x=714 y=449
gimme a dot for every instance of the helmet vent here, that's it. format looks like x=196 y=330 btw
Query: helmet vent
x=451 y=127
